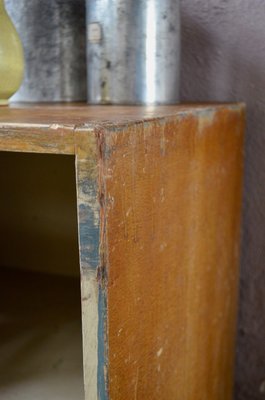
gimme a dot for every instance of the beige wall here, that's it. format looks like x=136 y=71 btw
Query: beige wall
x=38 y=221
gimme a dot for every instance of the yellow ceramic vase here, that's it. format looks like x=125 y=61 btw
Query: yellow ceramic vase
x=11 y=57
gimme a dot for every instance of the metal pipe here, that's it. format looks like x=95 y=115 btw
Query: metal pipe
x=133 y=51
x=53 y=33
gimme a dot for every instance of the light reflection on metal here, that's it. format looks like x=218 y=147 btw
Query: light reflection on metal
x=136 y=59
x=150 y=52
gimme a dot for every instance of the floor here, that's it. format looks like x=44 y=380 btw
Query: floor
x=40 y=337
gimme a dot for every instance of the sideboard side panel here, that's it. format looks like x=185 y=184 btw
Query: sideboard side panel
x=173 y=199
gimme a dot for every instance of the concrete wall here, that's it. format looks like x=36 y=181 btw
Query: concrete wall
x=223 y=58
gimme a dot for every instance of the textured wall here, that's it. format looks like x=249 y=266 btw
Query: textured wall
x=223 y=58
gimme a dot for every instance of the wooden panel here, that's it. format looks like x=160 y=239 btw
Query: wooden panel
x=75 y=114
x=51 y=128
x=37 y=139
x=172 y=193
x=93 y=313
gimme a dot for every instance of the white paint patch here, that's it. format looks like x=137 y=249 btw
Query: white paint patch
x=160 y=351
x=128 y=211
x=205 y=120
x=55 y=126
x=89 y=293
x=162 y=246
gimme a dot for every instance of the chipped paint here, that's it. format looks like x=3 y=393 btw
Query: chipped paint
x=205 y=120
x=159 y=352
x=91 y=263
x=88 y=226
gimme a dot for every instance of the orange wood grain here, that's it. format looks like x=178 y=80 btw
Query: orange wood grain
x=173 y=195
x=159 y=194
x=51 y=128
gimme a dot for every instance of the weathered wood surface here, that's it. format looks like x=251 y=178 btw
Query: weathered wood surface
x=172 y=198
x=52 y=139
x=88 y=187
x=52 y=128
x=159 y=192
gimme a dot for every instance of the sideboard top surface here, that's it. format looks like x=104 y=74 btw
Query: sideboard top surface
x=51 y=128
x=81 y=114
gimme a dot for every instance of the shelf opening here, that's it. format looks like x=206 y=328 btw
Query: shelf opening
x=40 y=301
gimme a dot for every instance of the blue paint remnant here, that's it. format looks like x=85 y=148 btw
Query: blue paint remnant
x=89 y=239
x=88 y=226
x=89 y=236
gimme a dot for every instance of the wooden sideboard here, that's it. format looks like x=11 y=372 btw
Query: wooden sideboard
x=158 y=203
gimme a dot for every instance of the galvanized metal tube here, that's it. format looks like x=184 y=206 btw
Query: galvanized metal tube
x=133 y=51
x=53 y=33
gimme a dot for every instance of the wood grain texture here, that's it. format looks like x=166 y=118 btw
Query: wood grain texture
x=158 y=193
x=30 y=138
x=172 y=198
x=51 y=128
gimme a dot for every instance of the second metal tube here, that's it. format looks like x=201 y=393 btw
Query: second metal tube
x=133 y=51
